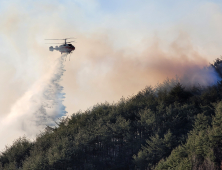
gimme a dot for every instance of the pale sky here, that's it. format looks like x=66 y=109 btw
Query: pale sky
x=122 y=46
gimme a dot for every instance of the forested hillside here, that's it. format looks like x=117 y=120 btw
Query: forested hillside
x=166 y=127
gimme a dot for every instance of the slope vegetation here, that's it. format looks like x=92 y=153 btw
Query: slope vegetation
x=166 y=127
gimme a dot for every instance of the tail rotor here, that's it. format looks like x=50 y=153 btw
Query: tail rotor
x=51 y=48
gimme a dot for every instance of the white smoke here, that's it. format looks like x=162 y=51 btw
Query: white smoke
x=41 y=105
x=206 y=76
x=194 y=76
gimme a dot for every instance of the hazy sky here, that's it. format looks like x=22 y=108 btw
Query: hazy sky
x=121 y=47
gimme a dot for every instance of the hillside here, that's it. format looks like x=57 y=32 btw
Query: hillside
x=166 y=127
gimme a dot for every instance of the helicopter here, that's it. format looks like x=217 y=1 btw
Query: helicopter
x=67 y=47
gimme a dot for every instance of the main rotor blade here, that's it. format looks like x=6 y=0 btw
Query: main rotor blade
x=53 y=43
x=70 y=38
x=54 y=39
x=61 y=39
x=70 y=41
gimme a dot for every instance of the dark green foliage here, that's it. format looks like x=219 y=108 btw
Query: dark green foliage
x=178 y=94
x=13 y=157
x=155 y=149
x=217 y=66
x=166 y=127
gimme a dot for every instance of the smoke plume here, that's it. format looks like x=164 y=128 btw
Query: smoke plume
x=100 y=72
x=116 y=55
x=41 y=105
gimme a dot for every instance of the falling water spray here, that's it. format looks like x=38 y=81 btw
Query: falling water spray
x=40 y=106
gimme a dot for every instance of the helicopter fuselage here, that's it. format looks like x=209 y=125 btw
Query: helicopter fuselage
x=65 y=48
